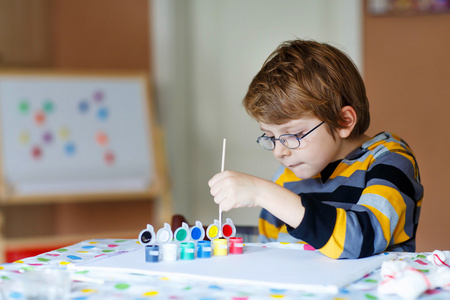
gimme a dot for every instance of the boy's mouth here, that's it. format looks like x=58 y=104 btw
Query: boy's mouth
x=294 y=165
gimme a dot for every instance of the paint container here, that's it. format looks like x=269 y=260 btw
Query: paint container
x=204 y=249
x=187 y=251
x=228 y=229
x=152 y=253
x=236 y=245
x=213 y=230
x=220 y=247
x=147 y=236
x=169 y=252
x=197 y=232
x=182 y=234
x=164 y=235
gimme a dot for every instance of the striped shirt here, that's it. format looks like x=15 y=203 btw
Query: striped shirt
x=362 y=205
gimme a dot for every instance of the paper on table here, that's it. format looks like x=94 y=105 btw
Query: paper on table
x=272 y=267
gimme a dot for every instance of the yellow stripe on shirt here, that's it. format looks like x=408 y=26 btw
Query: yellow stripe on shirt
x=335 y=245
x=345 y=170
x=287 y=176
x=268 y=230
x=396 y=200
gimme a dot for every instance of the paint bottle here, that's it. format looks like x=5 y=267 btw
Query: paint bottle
x=228 y=229
x=203 y=249
x=147 y=236
x=187 y=251
x=213 y=230
x=197 y=232
x=182 y=234
x=152 y=253
x=236 y=245
x=164 y=235
x=220 y=247
x=169 y=252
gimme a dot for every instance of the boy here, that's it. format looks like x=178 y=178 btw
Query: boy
x=344 y=193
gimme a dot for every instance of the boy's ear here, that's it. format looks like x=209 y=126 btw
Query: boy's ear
x=349 y=116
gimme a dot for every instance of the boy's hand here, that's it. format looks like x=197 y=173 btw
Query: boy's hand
x=233 y=190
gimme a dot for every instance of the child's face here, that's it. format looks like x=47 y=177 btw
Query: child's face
x=316 y=150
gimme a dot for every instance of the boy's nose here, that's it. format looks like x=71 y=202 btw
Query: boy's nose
x=280 y=150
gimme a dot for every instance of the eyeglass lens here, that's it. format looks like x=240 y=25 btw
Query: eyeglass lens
x=290 y=141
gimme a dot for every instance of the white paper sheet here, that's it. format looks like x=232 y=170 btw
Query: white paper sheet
x=275 y=268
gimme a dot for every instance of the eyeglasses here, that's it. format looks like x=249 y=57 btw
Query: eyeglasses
x=291 y=141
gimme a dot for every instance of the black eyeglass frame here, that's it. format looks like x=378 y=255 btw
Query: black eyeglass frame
x=280 y=138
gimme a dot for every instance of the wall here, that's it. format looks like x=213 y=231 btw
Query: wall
x=206 y=53
x=407 y=69
x=83 y=35
x=101 y=34
x=24 y=33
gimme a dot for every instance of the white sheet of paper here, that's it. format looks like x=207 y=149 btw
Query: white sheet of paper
x=272 y=267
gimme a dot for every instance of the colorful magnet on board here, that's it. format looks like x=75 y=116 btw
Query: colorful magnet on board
x=187 y=251
x=152 y=253
x=48 y=106
x=203 y=249
x=101 y=138
x=147 y=236
x=213 y=230
x=63 y=133
x=236 y=245
x=70 y=148
x=83 y=106
x=182 y=233
x=197 y=232
x=220 y=247
x=98 y=96
x=169 y=252
x=39 y=118
x=24 y=138
x=36 y=152
x=164 y=235
x=109 y=157
x=24 y=106
x=228 y=229
x=102 y=113
x=47 y=137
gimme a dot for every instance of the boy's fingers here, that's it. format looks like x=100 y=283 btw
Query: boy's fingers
x=215 y=179
x=224 y=206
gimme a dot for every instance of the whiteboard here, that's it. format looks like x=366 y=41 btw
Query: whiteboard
x=272 y=267
x=75 y=134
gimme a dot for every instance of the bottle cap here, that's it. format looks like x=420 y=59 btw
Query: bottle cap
x=213 y=230
x=164 y=235
x=182 y=233
x=197 y=232
x=147 y=236
x=228 y=229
